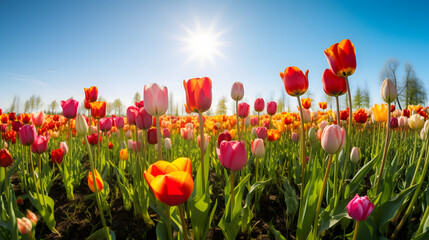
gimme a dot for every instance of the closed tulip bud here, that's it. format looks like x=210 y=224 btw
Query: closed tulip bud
x=64 y=147
x=40 y=145
x=403 y=121
x=143 y=119
x=243 y=110
x=259 y=104
x=258 y=148
x=312 y=134
x=319 y=135
x=98 y=109
x=32 y=217
x=81 y=125
x=423 y=134
x=123 y=155
x=247 y=121
x=119 y=122
x=5 y=158
x=262 y=132
x=306 y=115
x=130 y=144
x=91 y=94
x=24 y=225
x=69 y=108
x=151 y=136
x=355 y=155
x=426 y=126
x=105 y=124
x=333 y=139
x=155 y=99
x=359 y=208
x=332 y=84
x=237 y=91
x=132 y=112
x=233 y=155
x=388 y=91
x=167 y=143
x=38 y=118
x=416 y=121
x=393 y=122
x=27 y=135
x=206 y=140
x=271 y=108
x=198 y=94
x=294 y=137
x=99 y=181
x=342 y=58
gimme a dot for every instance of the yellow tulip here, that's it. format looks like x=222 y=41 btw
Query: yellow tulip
x=380 y=112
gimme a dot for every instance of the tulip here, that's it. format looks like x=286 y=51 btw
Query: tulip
x=360 y=116
x=207 y=139
x=16 y=125
x=403 y=121
x=388 y=91
x=91 y=94
x=27 y=135
x=5 y=158
x=24 y=225
x=323 y=124
x=323 y=105
x=225 y=136
x=243 y=110
x=143 y=119
x=233 y=155
x=152 y=136
x=306 y=115
x=167 y=143
x=198 y=94
x=3 y=128
x=393 y=122
x=38 y=118
x=306 y=103
x=69 y=108
x=423 y=134
x=406 y=113
x=254 y=121
x=333 y=139
x=123 y=154
x=258 y=148
x=139 y=104
x=105 y=124
x=333 y=85
x=99 y=181
x=40 y=144
x=312 y=134
x=295 y=137
x=392 y=107
x=416 y=121
x=261 y=132
x=379 y=112
x=12 y=116
x=32 y=217
x=64 y=147
x=25 y=118
x=119 y=122
x=98 y=109
x=247 y=121
x=92 y=139
x=237 y=91
x=57 y=156
x=271 y=108
x=171 y=183
x=132 y=113
x=165 y=133
x=187 y=133
x=342 y=58
x=355 y=155
x=155 y=99
x=344 y=115
x=295 y=82
x=259 y=105
x=110 y=145
x=359 y=208
x=81 y=125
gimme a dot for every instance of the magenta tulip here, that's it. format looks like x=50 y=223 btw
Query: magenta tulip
x=259 y=105
x=143 y=119
x=105 y=124
x=225 y=136
x=119 y=122
x=359 y=208
x=243 y=110
x=151 y=136
x=271 y=108
x=38 y=118
x=261 y=132
x=27 y=135
x=40 y=144
x=69 y=108
x=233 y=155
x=16 y=125
x=132 y=112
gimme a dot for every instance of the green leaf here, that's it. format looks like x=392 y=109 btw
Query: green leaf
x=291 y=199
x=353 y=187
x=277 y=234
x=200 y=218
x=100 y=234
x=47 y=212
x=329 y=219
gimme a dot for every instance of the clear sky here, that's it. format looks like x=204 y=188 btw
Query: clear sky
x=56 y=48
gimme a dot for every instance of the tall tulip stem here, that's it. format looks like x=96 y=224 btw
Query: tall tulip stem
x=349 y=130
x=356 y=230
x=184 y=224
x=34 y=175
x=319 y=201
x=386 y=146
x=238 y=121
x=168 y=220
x=232 y=195
x=40 y=179
x=303 y=163
x=202 y=144
x=159 y=139
x=338 y=111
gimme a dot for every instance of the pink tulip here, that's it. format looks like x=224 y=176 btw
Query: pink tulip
x=143 y=119
x=254 y=121
x=306 y=115
x=187 y=133
x=27 y=135
x=132 y=113
x=359 y=208
x=69 y=108
x=165 y=133
x=105 y=124
x=40 y=145
x=261 y=132
x=237 y=91
x=119 y=122
x=64 y=147
x=225 y=136
x=136 y=147
x=259 y=104
x=333 y=138
x=3 y=128
x=243 y=110
x=323 y=124
x=271 y=108
x=38 y=118
x=207 y=139
x=294 y=137
x=155 y=99
x=258 y=148
x=233 y=155
x=319 y=135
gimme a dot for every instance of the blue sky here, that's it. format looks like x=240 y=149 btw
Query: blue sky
x=56 y=48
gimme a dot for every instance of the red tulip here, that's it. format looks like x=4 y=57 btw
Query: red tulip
x=5 y=158
x=4 y=118
x=295 y=82
x=261 y=132
x=271 y=108
x=119 y=122
x=40 y=145
x=406 y=113
x=92 y=139
x=26 y=118
x=69 y=108
x=198 y=94
x=225 y=136
x=243 y=110
x=165 y=133
x=392 y=108
x=57 y=156
x=12 y=116
x=233 y=155
x=98 y=109
x=110 y=145
x=139 y=104
x=27 y=135
x=323 y=105
x=171 y=183
x=259 y=104
x=16 y=125
x=332 y=84
x=91 y=94
x=151 y=136
x=342 y=58
x=105 y=124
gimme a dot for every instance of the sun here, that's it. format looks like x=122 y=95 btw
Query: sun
x=203 y=44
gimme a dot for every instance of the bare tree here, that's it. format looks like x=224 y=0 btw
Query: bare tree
x=14 y=106
x=389 y=71
x=52 y=106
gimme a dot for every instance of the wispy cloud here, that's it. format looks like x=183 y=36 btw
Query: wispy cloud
x=27 y=79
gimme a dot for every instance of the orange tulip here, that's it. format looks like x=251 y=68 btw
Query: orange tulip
x=198 y=94
x=306 y=103
x=295 y=82
x=98 y=109
x=100 y=185
x=171 y=183
x=323 y=105
x=273 y=135
x=91 y=94
x=342 y=58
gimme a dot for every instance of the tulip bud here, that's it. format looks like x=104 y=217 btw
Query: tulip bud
x=152 y=136
x=27 y=135
x=388 y=91
x=253 y=132
x=123 y=155
x=271 y=108
x=259 y=104
x=243 y=110
x=355 y=155
x=237 y=91
x=319 y=135
x=233 y=155
x=81 y=125
x=393 y=122
x=423 y=134
x=359 y=208
x=206 y=140
x=258 y=148
x=294 y=137
x=99 y=181
x=32 y=217
x=24 y=225
x=5 y=158
x=306 y=115
x=262 y=132
x=403 y=121
x=64 y=147
x=416 y=121
x=247 y=121
x=167 y=143
x=333 y=139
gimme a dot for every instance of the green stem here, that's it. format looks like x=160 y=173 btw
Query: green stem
x=238 y=121
x=256 y=170
x=303 y=163
x=98 y=144
x=232 y=195
x=338 y=111
x=422 y=222
x=34 y=175
x=319 y=201
x=356 y=230
x=168 y=220
x=40 y=179
x=159 y=139
x=184 y=224
x=202 y=143
x=386 y=146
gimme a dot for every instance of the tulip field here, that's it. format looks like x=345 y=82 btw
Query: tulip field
x=315 y=173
